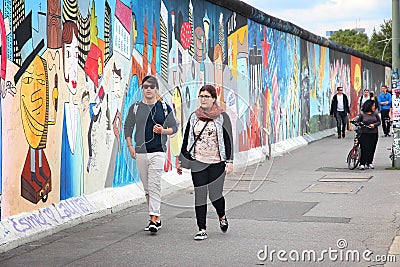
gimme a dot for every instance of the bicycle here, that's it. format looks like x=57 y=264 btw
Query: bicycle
x=354 y=156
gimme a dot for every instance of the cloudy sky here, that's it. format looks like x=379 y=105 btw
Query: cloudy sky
x=319 y=16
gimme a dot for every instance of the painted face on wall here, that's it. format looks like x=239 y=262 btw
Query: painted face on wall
x=34 y=101
x=71 y=64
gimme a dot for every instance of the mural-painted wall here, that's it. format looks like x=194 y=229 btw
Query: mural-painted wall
x=71 y=69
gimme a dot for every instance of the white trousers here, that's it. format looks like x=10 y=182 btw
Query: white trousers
x=151 y=167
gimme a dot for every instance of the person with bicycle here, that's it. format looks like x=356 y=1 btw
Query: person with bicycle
x=369 y=133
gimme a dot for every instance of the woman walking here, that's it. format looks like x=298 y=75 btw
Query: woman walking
x=369 y=134
x=208 y=141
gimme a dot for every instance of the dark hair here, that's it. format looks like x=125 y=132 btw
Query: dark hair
x=85 y=93
x=150 y=79
x=339 y=87
x=367 y=107
x=209 y=88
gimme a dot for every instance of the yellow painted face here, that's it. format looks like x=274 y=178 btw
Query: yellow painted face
x=34 y=109
x=357 y=78
x=177 y=101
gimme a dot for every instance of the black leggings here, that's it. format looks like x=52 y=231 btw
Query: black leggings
x=209 y=178
x=368 y=143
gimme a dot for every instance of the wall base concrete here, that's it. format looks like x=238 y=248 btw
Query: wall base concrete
x=31 y=226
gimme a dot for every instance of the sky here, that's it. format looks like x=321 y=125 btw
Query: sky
x=319 y=16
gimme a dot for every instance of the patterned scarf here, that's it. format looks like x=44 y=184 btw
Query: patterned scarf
x=209 y=115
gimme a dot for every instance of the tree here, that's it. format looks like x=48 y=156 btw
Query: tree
x=351 y=38
x=381 y=39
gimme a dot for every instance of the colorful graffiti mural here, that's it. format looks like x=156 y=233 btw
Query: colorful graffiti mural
x=70 y=70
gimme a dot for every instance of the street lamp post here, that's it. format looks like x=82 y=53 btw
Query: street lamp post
x=387 y=42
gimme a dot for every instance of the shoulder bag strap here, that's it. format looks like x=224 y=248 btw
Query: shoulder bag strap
x=197 y=138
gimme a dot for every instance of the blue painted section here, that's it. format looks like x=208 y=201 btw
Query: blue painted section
x=125 y=167
x=71 y=173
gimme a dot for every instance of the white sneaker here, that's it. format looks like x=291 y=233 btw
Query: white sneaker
x=362 y=167
x=371 y=166
x=201 y=235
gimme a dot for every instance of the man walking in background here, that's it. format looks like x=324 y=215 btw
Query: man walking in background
x=385 y=102
x=340 y=109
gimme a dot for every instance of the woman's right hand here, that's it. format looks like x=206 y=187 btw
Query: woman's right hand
x=132 y=151
x=179 y=169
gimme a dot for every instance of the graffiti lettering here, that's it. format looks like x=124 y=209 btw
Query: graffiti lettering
x=52 y=215
x=37 y=220
x=20 y=225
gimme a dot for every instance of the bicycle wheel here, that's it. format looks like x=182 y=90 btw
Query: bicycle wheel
x=353 y=158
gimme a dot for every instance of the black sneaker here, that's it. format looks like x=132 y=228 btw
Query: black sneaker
x=152 y=227
x=201 y=235
x=158 y=224
x=223 y=224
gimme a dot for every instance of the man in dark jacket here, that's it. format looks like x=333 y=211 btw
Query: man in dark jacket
x=340 y=109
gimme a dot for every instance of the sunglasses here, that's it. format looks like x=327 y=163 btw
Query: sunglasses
x=205 y=96
x=152 y=86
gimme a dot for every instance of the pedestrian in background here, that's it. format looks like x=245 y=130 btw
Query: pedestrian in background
x=385 y=102
x=364 y=97
x=154 y=121
x=208 y=140
x=340 y=109
x=369 y=134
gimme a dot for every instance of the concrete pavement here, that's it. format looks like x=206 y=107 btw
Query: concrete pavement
x=281 y=212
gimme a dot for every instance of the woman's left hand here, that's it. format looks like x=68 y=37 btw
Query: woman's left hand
x=229 y=168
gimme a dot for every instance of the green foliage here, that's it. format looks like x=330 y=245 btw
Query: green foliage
x=351 y=38
x=381 y=43
x=378 y=45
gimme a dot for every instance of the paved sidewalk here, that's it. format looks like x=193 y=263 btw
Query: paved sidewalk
x=302 y=202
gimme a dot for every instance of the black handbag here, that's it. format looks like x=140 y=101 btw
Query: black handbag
x=186 y=158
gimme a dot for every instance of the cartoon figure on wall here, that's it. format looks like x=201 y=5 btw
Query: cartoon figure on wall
x=71 y=171
x=116 y=102
x=95 y=114
x=36 y=175
x=34 y=104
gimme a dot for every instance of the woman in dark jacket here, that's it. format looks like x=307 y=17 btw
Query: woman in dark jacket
x=369 y=134
x=208 y=140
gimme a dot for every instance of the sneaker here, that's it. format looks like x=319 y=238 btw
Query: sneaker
x=362 y=167
x=223 y=224
x=152 y=227
x=201 y=235
x=370 y=166
x=158 y=224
